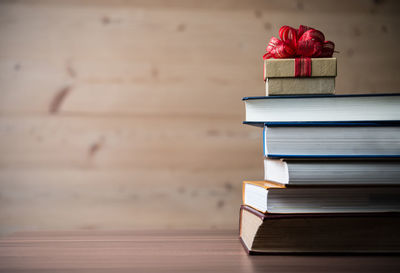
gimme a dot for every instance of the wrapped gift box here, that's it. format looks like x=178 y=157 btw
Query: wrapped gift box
x=297 y=77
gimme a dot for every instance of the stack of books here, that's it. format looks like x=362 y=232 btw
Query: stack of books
x=332 y=169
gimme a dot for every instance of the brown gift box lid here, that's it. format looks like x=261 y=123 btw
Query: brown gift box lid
x=283 y=68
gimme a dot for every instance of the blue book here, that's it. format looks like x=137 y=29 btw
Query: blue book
x=323 y=108
x=331 y=139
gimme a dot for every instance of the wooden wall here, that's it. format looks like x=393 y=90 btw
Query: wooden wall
x=127 y=114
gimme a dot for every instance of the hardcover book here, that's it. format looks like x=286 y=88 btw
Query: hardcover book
x=310 y=140
x=319 y=233
x=321 y=108
x=266 y=196
x=332 y=172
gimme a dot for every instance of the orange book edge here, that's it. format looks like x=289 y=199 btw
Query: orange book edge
x=263 y=184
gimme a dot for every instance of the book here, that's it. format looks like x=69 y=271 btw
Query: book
x=332 y=172
x=302 y=140
x=343 y=108
x=300 y=86
x=266 y=196
x=319 y=233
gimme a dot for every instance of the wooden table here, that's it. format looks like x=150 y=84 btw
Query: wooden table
x=163 y=251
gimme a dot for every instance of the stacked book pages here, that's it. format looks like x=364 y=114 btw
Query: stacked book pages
x=331 y=166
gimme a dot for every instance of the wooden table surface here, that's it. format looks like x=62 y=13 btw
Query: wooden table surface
x=163 y=251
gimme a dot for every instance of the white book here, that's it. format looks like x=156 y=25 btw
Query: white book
x=268 y=197
x=372 y=107
x=331 y=140
x=332 y=172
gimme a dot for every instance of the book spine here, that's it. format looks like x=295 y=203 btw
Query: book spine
x=332 y=156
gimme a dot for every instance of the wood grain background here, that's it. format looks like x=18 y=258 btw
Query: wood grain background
x=127 y=114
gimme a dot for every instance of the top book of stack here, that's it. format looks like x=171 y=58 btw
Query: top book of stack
x=301 y=76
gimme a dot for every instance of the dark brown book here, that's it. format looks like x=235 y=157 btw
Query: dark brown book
x=319 y=233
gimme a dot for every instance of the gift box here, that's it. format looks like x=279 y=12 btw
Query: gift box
x=299 y=76
x=299 y=63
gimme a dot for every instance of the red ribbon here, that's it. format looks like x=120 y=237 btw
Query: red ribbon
x=303 y=42
x=302 y=67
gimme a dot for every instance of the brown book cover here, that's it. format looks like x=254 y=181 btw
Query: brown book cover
x=378 y=230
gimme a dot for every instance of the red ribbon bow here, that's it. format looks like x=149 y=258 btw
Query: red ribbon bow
x=304 y=42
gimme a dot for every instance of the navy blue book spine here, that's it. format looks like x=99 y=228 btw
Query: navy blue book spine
x=374 y=123
x=320 y=96
x=323 y=124
x=331 y=156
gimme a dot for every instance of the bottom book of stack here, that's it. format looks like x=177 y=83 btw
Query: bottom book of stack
x=319 y=233
x=276 y=219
